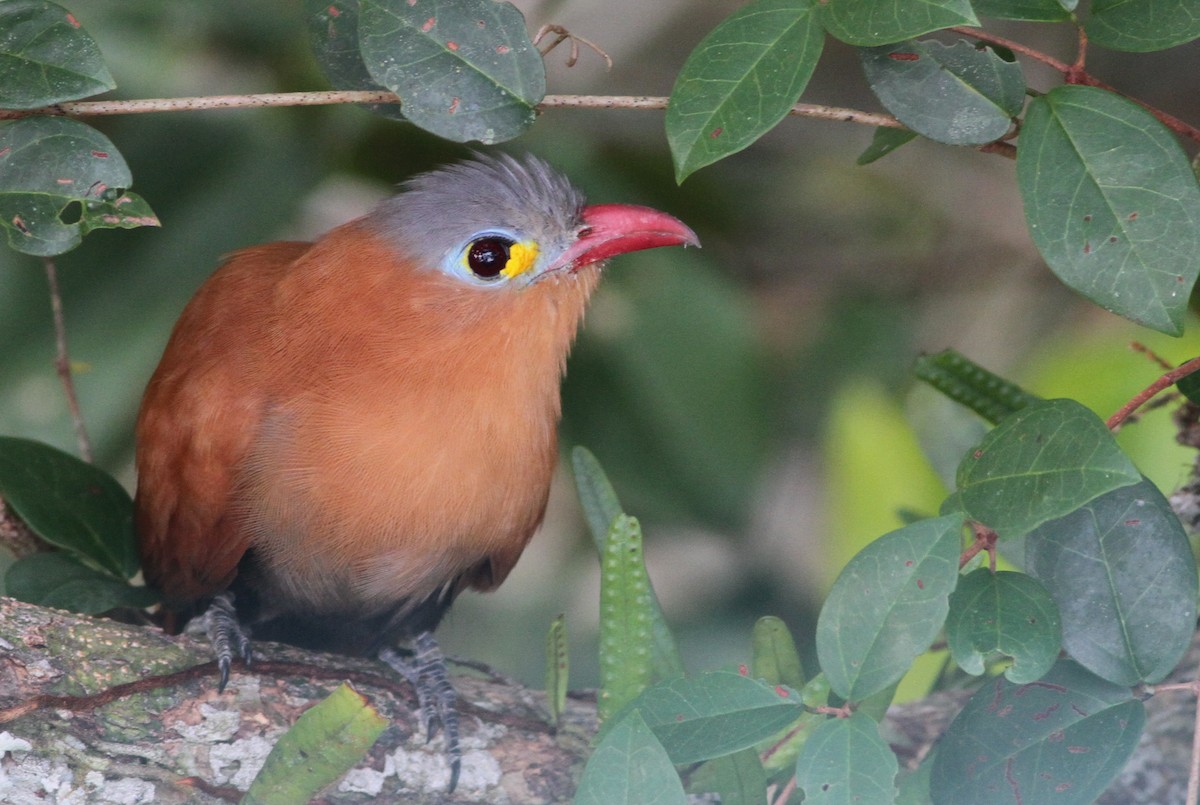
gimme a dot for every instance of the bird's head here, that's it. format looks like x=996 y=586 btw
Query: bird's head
x=498 y=221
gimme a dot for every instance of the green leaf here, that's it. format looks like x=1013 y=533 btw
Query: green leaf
x=1122 y=573
x=630 y=767
x=738 y=779
x=1003 y=612
x=1027 y=10
x=1112 y=203
x=58 y=580
x=781 y=750
x=333 y=37
x=53 y=168
x=46 y=57
x=1143 y=25
x=464 y=70
x=956 y=94
x=774 y=657
x=1059 y=740
x=601 y=508
x=741 y=80
x=887 y=606
x=885 y=141
x=557 y=668
x=625 y=615
x=969 y=384
x=1042 y=462
x=846 y=762
x=715 y=713
x=882 y=22
x=70 y=504
x=324 y=743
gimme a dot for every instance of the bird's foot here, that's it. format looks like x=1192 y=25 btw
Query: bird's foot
x=226 y=635
x=428 y=675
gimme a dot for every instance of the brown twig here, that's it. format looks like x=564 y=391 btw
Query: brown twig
x=1164 y=382
x=62 y=361
x=985 y=540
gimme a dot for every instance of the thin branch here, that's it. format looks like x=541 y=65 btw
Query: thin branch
x=191 y=104
x=1166 y=381
x=1193 y=791
x=62 y=362
x=1015 y=47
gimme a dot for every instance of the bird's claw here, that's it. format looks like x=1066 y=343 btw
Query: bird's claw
x=226 y=635
x=436 y=698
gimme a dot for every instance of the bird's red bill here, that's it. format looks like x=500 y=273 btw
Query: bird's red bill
x=613 y=229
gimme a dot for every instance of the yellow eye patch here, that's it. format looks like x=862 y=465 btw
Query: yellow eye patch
x=521 y=257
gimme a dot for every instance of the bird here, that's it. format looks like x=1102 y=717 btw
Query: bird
x=343 y=435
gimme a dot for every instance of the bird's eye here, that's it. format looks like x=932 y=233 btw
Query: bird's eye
x=488 y=256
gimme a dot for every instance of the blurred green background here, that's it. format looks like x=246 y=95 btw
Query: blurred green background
x=751 y=401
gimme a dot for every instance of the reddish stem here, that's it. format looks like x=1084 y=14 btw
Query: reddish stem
x=985 y=540
x=1166 y=381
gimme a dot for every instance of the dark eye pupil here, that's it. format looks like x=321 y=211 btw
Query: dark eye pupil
x=488 y=256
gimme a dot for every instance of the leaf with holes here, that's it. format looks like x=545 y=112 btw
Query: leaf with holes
x=1060 y=739
x=1007 y=613
x=464 y=70
x=882 y=22
x=956 y=94
x=1112 y=203
x=1121 y=571
x=59 y=180
x=887 y=606
x=741 y=80
x=46 y=57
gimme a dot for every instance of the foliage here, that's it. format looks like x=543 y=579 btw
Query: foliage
x=1106 y=572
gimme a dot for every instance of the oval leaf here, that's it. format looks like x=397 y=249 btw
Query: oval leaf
x=51 y=168
x=630 y=767
x=1143 y=25
x=1007 y=613
x=741 y=80
x=464 y=70
x=1112 y=203
x=69 y=504
x=1122 y=574
x=1042 y=462
x=1059 y=740
x=46 y=57
x=717 y=713
x=846 y=761
x=59 y=581
x=333 y=37
x=324 y=743
x=1027 y=10
x=956 y=94
x=882 y=22
x=887 y=606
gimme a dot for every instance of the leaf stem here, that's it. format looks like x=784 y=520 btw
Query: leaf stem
x=1165 y=381
x=62 y=361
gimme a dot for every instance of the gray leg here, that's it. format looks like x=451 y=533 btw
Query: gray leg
x=427 y=673
x=226 y=635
